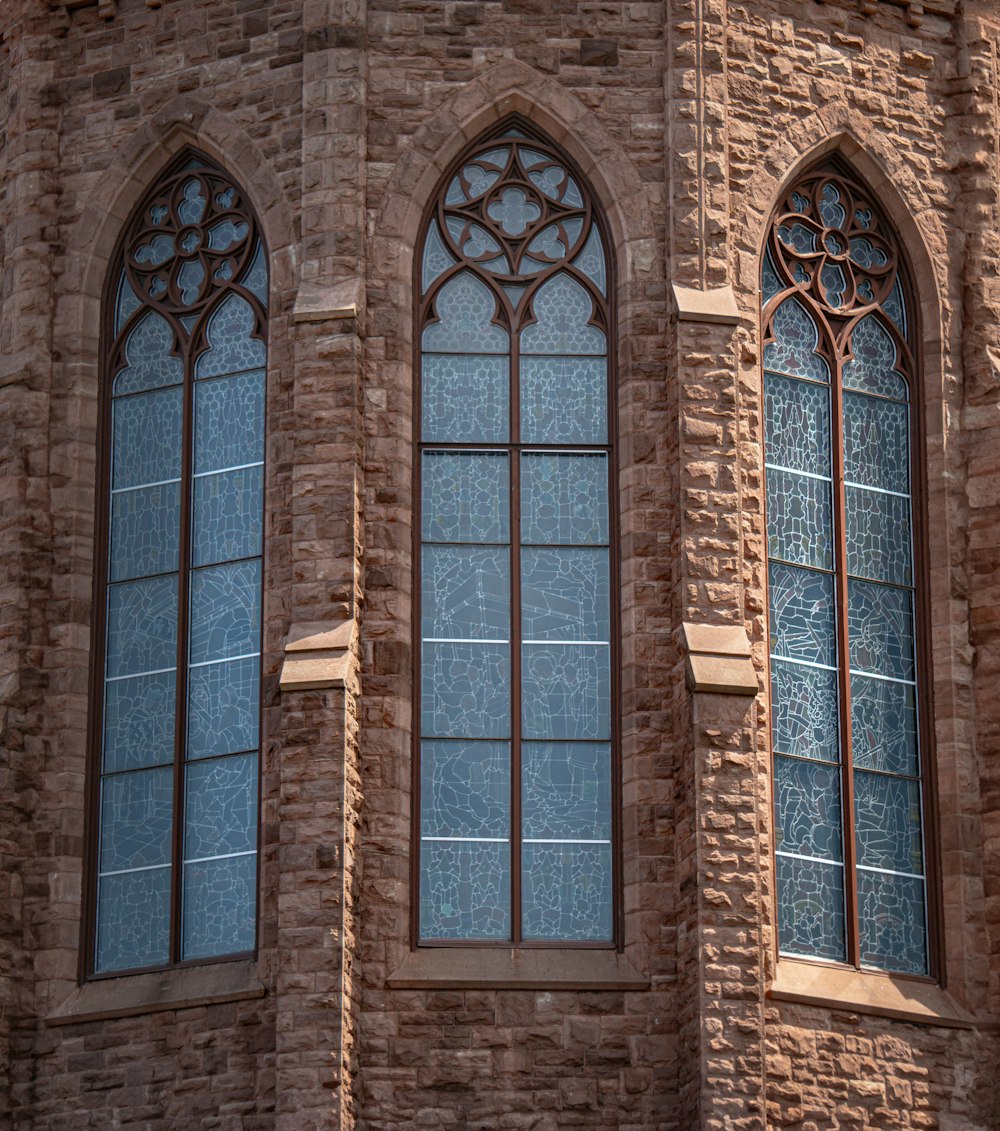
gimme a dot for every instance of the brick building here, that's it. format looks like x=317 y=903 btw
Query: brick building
x=351 y=993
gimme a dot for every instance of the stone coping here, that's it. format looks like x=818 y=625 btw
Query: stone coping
x=452 y=968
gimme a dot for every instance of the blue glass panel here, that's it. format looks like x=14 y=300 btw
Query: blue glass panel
x=565 y=595
x=567 y=892
x=884 y=725
x=880 y=629
x=513 y=210
x=799 y=519
x=437 y=258
x=146 y=438
x=872 y=369
x=142 y=626
x=831 y=211
x=811 y=908
x=220 y=907
x=465 y=593
x=876 y=443
x=892 y=922
x=591 y=261
x=220 y=811
x=566 y=790
x=465 y=789
x=798 y=237
x=895 y=307
x=834 y=284
x=566 y=691
x=805 y=707
x=878 y=536
x=465 y=399
x=189 y=280
x=802 y=615
x=255 y=279
x=159 y=249
x=466 y=690
x=133 y=920
x=564 y=400
x=139 y=721
x=229 y=422
x=225 y=611
x=866 y=255
x=228 y=516
x=887 y=822
x=145 y=531
x=136 y=819
x=464 y=307
x=223 y=708
x=564 y=499
x=230 y=347
x=562 y=311
x=224 y=235
x=770 y=284
x=126 y=304
x=555 y=241
x=191 y=207
x=807 y=808
x=464 y=890
x=797 y=417
x=555 y=182
x=465 y=497
x=795 y=339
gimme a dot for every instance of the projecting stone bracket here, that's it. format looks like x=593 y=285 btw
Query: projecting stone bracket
x=317 y=303
x=320 y=654
x=719 y=660
x=718 y=305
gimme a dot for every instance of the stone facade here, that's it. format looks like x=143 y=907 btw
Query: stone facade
x=339 y=117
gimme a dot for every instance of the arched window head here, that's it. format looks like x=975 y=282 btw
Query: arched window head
x=847 y=685
x=180 y=549
x=516 y=752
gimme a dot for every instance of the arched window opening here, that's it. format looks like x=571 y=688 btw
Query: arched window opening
x=181 y=543
x=516 y=752
x=847 y=688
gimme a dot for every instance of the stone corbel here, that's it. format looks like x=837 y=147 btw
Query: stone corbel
x=719 y=660
x=320 y=654
x=717 y=304
x=339 y=303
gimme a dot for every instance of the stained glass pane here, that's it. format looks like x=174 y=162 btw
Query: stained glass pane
x=133 y=920
x=223 y=708
x=145 y=531
x=465 y=398
x=798 y=424
x=146 y=439
x=189 y=280
x=225 y=611
x=884 y=725
x=255 y=279
x=465 y=497
x=565 y=691
x=136 y=819
x=865 y=254
x=796 y=337
x=150 y=364
x=465 y=789
x=834 y=284
x=229 y=422
x=565 y=595
x=555 y=241
x=564 y=400
x=465 y=593
x=805 y=706
x=770 y=283
x=437 y=258
x=880 y=629
x=892 y=922
x=222 y=236
x=799 y=519
x=220 y=812
x=230 y=347
x=142 y=626
x=872 y=369
x=564 y=499
x=887 y=822
x=566 y=892
x=895 y=307
x=876 y=443
x=220 y=907
x=126 y=305
x=798 y=237
x=464 y=890
x=228 y=516
x=464 y=307
x=831 y=211
x=802 y=615
x=566 y=790
x=466 y=690
x=878 y=536
x=139 y=721
x=563 y=310
x=591 y=260
x=811 y=908
x=807 y=808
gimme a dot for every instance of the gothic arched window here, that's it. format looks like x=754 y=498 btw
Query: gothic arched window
x=516 y=778
x=844 y=580
x=178 y=630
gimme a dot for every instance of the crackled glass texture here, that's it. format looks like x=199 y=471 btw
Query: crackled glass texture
x=188 y=360
x=514 y=370
x=880 y=751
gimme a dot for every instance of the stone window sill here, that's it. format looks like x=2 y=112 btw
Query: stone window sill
x=866 y=991
x=455 y=968
x=136 y=994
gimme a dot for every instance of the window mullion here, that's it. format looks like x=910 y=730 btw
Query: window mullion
x=515 y=636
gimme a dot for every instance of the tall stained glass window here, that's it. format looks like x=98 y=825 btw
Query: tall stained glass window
x=180 y=624
x=839 y=380
x=516 y=774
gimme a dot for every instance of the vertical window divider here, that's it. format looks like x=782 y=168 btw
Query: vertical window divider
x=516 y=737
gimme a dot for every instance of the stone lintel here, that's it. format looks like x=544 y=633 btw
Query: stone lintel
x=317 y=303
x=320 y=654
x=718 y=659
x=718 y=304
x=502 y=969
